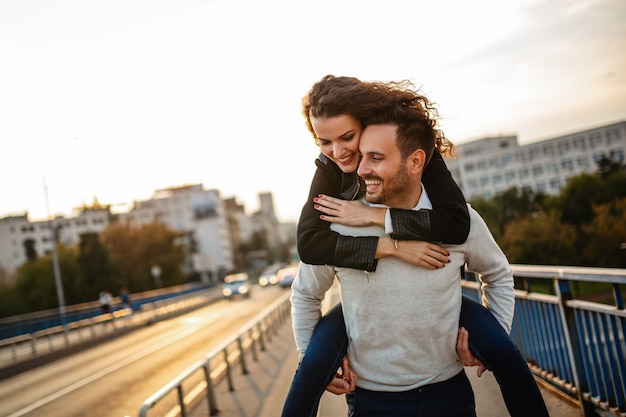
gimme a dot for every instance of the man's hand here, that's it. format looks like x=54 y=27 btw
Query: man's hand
x=344 y=381
x=462 y=349
x=349 y=212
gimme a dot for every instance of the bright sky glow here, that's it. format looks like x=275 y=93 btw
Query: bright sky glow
x=115 y=99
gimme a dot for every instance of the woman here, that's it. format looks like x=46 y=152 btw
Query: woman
x=336 y=110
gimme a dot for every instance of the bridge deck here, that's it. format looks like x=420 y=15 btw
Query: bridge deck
x=261 y=393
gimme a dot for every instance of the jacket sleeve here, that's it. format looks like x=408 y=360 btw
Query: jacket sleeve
x=317 y=243
x=447 y=222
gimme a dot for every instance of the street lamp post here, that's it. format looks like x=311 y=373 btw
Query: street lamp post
x=55 y=260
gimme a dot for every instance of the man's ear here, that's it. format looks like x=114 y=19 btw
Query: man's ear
x=417 y=161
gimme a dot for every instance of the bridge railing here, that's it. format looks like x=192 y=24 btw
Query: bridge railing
x=577 y=346
x=20 y=348
x=198 y=382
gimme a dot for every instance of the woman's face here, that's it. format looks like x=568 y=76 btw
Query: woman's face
x=338 y=139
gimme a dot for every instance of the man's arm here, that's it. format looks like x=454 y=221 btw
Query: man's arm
x=307 y=293
x=485 y=257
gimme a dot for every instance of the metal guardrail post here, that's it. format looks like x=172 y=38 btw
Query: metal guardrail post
x=242 y=359
x=210 y=389
x=229 y=376
x=261 y=337
x=181 y=401
x=572 y=338
x=253 y=344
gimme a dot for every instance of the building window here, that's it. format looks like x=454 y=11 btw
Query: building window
x=472 y=184
x=537 y=170
x=567 y=164
x=583 y=162
x=27 y=228
x=481 y=165
x=541 y=187
x=613 y=136
x=533 y=154
x=494 y=162
x=548 y=150
x=469 y=167
x=497 y=178
x=523 y=173
x=520 y=157
x=507 y=159
x=597 y=157
x=563 y=147
x=617 y=155
x=555 y=184
x=510 y=176
x=552 y=168
x=595 y=140
x=484 y=181
x=579 y=143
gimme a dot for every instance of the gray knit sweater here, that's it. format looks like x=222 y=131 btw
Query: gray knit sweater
x=402 y=320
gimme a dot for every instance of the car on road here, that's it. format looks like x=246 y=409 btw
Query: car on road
x=236 y=285
x=269 y=275
x=287 y=275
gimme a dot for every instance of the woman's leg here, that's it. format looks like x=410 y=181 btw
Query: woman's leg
x=490 y=344
x=322 y=358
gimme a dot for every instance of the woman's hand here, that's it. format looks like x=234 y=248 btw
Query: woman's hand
x=462 y=349
x=415 y=252
x=344 y=381
x=349 y=213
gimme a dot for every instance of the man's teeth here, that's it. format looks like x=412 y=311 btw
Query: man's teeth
x=373 y=182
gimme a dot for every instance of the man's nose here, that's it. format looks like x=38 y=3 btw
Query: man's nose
x=363 y=168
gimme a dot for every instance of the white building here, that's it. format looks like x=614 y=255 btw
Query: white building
x=485 y=167
x=214 y=226
x=198 y=212
x=15 y=231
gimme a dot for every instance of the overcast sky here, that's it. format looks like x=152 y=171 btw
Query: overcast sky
x=115 y=99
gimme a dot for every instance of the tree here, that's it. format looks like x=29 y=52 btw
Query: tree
x=506 y=206
x=605 y=235
x=96 y=269
x=582 y=192
x=36 y=285
x=542 y=240
x=29 y=249
x=137 y=249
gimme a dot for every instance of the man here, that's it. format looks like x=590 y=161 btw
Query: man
x=402 y=320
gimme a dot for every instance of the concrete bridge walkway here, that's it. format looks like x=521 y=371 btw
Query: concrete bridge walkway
x=262 y=391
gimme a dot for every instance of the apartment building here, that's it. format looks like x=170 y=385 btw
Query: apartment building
x=486 y=167
x=215 y=227
x=16 y=231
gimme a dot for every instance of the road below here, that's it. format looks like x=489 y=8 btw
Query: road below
x=115 y=377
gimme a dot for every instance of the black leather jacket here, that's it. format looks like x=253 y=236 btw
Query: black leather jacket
x=448 y=222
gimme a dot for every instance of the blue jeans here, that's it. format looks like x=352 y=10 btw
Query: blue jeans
x=451 y=398
x=488 y=342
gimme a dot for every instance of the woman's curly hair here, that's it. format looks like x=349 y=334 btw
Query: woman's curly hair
x=374 y=102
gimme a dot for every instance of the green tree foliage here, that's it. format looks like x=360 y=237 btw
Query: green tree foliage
x=582 y=192
x=29 y=250
x=36 y=285
x=96 y=269
x=511 y=204
x=605 y=236
x=540 y=239
x=137 y=249
x=584 y=225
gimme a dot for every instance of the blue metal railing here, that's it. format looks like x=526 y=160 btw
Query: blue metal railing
x=576 y=346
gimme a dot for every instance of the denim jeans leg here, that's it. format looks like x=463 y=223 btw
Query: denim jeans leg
x=326 y=349
x=490 y=343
